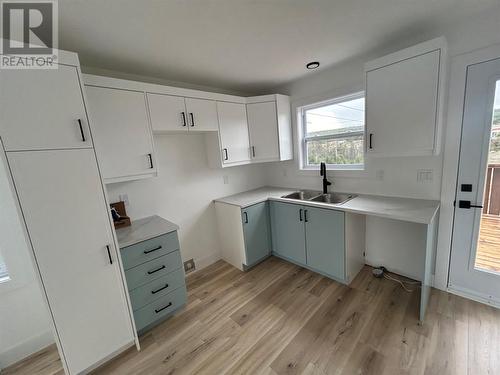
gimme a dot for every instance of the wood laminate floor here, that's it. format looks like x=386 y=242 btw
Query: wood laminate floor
x=278 y=319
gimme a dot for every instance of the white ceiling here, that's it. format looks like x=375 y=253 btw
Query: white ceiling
x=243 y=45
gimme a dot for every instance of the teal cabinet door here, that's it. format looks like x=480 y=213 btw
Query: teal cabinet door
x=288 y=231
x=325 y=241
x=257 y=232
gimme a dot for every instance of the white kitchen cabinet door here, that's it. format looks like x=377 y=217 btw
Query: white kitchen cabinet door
x=233 y=127
x=202 y=114
x=63 y=204
x=121 y=131
x=263 y=129
x=401 y=106
x=168 y=113
x=42 y=109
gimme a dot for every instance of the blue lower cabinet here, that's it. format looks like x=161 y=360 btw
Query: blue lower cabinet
x=159 y=309
x=257 y=232
x=288 y=231
x=325 y=241
x=157 y=285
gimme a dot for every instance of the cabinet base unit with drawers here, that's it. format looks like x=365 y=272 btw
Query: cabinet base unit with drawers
x=245 y=233
x=154 y=272
x=324 y=240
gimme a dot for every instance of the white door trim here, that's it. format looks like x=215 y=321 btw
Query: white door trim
x=451 y=153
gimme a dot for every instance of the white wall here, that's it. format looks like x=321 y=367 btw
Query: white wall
x=24 y=320
x=184 y=192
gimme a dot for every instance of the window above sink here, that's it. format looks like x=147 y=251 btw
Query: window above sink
x=332 y=131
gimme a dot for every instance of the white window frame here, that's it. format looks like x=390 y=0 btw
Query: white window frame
x=303 y=138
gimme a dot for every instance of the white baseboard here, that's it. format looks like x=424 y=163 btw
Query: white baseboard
x=478 y=297
x=26 y=348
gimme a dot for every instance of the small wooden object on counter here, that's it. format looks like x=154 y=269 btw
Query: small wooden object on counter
x=124 y=220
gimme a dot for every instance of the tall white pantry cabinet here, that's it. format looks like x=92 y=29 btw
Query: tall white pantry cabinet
x=48 y=147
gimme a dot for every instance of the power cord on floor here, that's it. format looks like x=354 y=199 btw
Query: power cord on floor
x=381 y=271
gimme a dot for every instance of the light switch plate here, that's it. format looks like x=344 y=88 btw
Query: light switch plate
x=225 y=179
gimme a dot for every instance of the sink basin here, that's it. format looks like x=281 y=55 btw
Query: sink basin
x=333 y=198
x=303 y=195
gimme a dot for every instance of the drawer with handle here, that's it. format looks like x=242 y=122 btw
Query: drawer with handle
x=152 y=270
x=147 y=250
x=160 y=308
x=158 y=288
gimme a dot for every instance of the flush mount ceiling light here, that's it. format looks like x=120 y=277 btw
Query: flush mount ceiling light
x=312 y=65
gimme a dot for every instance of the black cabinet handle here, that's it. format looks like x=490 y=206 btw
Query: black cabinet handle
x=156 y=270
x=160 y=289
x=253 y=151
x=246 y=217
x=300 y=214
x=226 y=156
x=371 y=137
x=109 y=255
x=183 y=118
x=163 y=308
x=81 y=130
x=150 y=161
x=192 y=118
x=150 y=251
x=305 y=216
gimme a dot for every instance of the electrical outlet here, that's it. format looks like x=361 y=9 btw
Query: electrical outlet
x=189 y=266
x=124 y=198
x=379 y=174
x=285 y=172
x=225 y=179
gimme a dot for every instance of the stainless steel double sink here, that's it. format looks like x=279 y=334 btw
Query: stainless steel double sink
x=318 y=196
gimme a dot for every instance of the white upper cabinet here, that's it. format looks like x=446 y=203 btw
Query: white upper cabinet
x=233 y=128
x=168 y=113
x=52 y=118
x=122 y=135
x=263 y=129
x=270 y=128
x=202 y=114
x=404 y=101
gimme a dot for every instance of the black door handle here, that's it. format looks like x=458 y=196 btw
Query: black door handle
x=246 y=217
x=305 y=216
x=226 y=156
x=467 y=205
x=163 y=308
x=81 y=130
x=150 y=251
x=192 y=118
x=159 y=289
x=150 y=161
x=156 y=270
x=253 y=151
x=109 y=255
x=183 y=118
x=300 y=214
x=371 y=137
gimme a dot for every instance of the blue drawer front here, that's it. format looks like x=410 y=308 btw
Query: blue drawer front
x=160 y=308
x=156 y=289
x=147 y=250
x=153 y=270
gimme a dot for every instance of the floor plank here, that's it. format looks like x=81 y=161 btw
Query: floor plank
x=278 y=318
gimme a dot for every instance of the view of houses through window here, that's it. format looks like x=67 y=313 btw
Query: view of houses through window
x=333 y=132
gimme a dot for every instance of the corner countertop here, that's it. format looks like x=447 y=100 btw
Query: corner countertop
x=419 y=211
x=144 y=229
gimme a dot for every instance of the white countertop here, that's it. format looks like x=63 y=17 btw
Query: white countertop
x=144 y=229
x=420 y=211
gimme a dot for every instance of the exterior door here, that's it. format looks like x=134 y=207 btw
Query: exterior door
x=288 y=231
x=63 y=205
x=325 y=241
x=475 y=257
x=257 y=232
x=48 y=104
